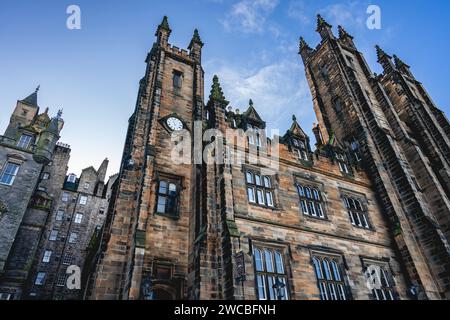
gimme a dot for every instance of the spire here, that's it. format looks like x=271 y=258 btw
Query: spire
x=344 y=34
x=381 y=54
x=32 y=98
x=196 y=40
x=165 y=24
x=163 y=32
x=217 y=93
x=304 y=45
x=304 y=49
x=196 y=46
x=321 y=23
x=324 y=28
x=402 y=66
x=385 y=60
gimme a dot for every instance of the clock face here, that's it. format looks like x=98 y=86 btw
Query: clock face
x=174 y=124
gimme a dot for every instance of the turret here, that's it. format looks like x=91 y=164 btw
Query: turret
x=216 y=97
x=324 y=28
x=47 y=140
x=24 y=113
x=402 y=67
x=163 y=32
x=195 y=47
x=304 y=49
x=385 y=60
x=345 y=37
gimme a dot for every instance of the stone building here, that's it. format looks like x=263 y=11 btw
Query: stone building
x=78 y=214
x=362 y=216
x=31 y=164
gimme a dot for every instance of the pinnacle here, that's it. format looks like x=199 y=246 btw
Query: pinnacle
x=216 y=92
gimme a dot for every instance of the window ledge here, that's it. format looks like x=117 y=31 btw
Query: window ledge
x=316 y=218
x=362 y=228
x=177 y=217
x=264 y=206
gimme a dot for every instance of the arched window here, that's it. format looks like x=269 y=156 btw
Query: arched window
x=269 y=261
x=308 y=192
x=279 y=262
x=168 y=196
x=301 y=192
x=357 y=214
x=316 y=195
x=260 y=189
x=330 y=280
x=326 y=269
x=317 y=268
x=384 y=289
x=270 y=274
x=258 y=260
x=311 y=202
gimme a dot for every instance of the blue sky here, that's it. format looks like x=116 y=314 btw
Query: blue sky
x=252 y=45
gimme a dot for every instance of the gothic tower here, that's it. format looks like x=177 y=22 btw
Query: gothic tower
x=149 y=235
x=403 y=140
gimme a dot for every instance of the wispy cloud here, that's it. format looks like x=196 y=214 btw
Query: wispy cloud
x=298 y=11
x=351 y=14
x=249 y=16
x=278 y=90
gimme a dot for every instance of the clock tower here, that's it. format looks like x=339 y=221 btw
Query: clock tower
x=152 y=217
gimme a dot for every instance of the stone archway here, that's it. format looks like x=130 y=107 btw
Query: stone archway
x=163 y=292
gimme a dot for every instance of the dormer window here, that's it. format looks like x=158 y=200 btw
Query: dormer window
x=342 y=163
x=254 y=136
x=24 y=141
x=72 y=178
x=300 y=149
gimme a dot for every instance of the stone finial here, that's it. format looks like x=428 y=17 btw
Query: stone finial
x=294 y=118
x=165 y=24
x=303 y=45
x=163 y=32
x=322 y=23
x=343 y=34
x=385 y=60
x=59 y=114
x=381 y=54
x=250 y=103
x=196 y=39
x=399 y=63
x=216 y=94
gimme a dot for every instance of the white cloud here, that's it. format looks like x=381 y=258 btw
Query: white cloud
x=351 y=14
x=278 y=91
x=249 y=16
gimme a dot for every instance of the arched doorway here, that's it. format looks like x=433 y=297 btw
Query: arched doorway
x=163 y=293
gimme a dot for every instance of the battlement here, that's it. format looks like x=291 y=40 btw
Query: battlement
x=182 y=53
x=62 y=145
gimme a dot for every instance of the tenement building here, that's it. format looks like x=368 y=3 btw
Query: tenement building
x=47 y=219
x=78 y=215
x=31 y=165
x=365 y=215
